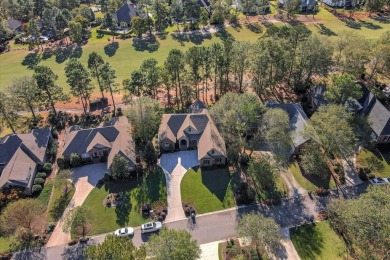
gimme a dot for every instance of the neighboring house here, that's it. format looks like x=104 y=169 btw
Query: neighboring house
x=14 y=24
x=125 y=13
x=102 y=143
x=316 y=97
x=265 y=9
x=342 y=3
x=193 y=131
x=378 y=116
x=306 y=5
x=298 y=121
x=20 y=156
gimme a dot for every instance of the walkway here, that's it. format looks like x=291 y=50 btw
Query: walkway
x=175 y=165
x=294 y=188
x=290 y=252
x=351 y=175
x=210 y=250
x=85 y=179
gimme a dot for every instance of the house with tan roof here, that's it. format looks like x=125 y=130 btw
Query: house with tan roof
x=20 y=157
x=193 y=131
x=102 y=143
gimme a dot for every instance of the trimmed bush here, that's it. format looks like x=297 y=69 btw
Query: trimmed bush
x=36 y=188
x=61 y=163
x=244 y=159
x=39 y=181
x=50 y=228
x=47 y=167
x=75 y=160
x=41 y=175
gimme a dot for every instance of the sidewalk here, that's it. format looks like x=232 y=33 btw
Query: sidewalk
x=210 y=250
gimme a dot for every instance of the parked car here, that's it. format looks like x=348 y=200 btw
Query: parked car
x=377 y=181
x=151 y=227
x=124 y=232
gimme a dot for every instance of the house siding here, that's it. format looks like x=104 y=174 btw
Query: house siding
x=213 y=161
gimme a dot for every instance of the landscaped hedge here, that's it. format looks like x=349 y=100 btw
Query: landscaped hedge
x=101 y=31
x=36 y=188
x=47 y=167
x=39 y=181
x=41 y=175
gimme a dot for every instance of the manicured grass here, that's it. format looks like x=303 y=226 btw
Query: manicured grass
x=45 y=193
x=326 y=23
x=123 y=55
x=58 y=201
x=4 y=244
x=128 y=214
x=364 y=154
x=310 y=182
x=220 y=246
x=317 y=241
x=208 y=190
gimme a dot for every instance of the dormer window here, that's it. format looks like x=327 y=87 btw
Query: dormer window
x=189 y=129
x=212 y=151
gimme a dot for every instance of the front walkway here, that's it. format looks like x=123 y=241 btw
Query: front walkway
x=175 y=165
x=210 y=250
x=351 y=174
x=85 y=179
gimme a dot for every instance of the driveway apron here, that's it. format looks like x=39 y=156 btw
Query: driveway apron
x=85 y=179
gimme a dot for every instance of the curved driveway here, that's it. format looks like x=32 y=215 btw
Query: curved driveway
x=175 y=165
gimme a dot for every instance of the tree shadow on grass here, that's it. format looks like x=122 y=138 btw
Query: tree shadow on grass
x=31 y=60
x=123 y=211
x=370 y=25
x=153 y=187
x=353 y=24
x=217 y=181
x=149 y=44
x=63 y=53
x=47 y=54
x=111 y=48
x=224 y=35
x=77 y=52
x=255 y=27
x=308 y=241
x=325 y=30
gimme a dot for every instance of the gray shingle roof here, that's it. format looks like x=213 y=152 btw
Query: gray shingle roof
x=13 y=24
x=317 y=96
x=378 y=115
x=298 y=120
x=125 y=13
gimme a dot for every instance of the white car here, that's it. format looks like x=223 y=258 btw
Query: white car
x=124 y=232
x=151 y=227
x=377 y=181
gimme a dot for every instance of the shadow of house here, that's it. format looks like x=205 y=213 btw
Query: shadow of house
x=217 y=182
x=111 y=48
x=125 y=13
x=20 y=156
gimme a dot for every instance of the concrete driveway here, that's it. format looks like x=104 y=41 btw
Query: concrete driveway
x=85 y=179
x=175 y=165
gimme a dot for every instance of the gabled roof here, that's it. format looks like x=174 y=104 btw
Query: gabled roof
x=125 y=13
x=197 y=106
x=19 y=155
x=13 y=24
x=317 y=96
x=378 y=115
x=175 y=126
x=113 y=135
x=298 y=120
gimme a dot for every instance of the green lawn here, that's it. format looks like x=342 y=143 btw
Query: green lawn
x=45 y=193
x=122 y=55
x=364 y=154
x=328 y=24
x=59 y=201
x=317 y=241
x=128 y=214
x=4 y=244
x=208 y=190
x=310 y=182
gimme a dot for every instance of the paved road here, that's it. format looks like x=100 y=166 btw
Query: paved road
x=221 y=225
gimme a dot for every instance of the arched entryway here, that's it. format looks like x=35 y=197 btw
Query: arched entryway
x=183 y=144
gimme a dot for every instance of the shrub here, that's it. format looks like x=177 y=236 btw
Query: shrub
x=39 y=181
x=73 y=242
x=50 y=228
x=321 y=191
x=119 y=111
x=244 y=159
x=36 y=188
x=61 y=163
x=54 y=133
x=41 y=175
x=47 y=167
x=75 y=160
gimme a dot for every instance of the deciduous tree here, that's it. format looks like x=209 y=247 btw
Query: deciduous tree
x=342 y=88
x=7 y=111
x=264 y=232
x=173 y=244
x=120 y=167
x=114 y=247
x=78 y=221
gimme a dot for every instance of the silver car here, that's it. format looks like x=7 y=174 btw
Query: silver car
x=151 y=227
x=124 y=232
